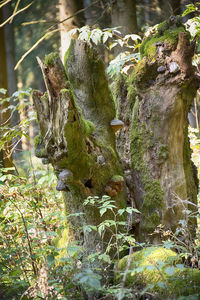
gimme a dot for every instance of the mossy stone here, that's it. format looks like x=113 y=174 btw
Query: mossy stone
x=160 y=268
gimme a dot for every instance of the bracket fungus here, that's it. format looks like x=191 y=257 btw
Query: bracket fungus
x=114 y=186
x=66 y=175
x=61 y=186
x=116 y=124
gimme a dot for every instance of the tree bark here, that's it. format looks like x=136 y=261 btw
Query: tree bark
x=153 y=153
x=77 y=138
x=164 y=182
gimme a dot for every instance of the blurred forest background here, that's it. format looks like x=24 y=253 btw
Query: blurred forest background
x=32 y=263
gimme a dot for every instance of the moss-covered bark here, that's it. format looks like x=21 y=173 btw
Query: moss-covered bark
x=76 y=137
x=152 y=153
x=160 y=155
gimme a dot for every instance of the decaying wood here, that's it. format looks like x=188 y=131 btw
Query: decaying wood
x=151 y=169
x=77 y=138
x=161 y=178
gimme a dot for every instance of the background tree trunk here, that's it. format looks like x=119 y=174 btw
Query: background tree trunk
x=5 y=160
x=10 y=63
x=124 y=15
x=68 y=8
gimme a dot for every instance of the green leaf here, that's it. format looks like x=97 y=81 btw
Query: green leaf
x=170 y=270
x=180 y=266
x=168 y=244
x=149 y=286
x=84 y=33
x=106 y=36
x=150 y=267
x=3 y=91
x=131 y=209
x=189 y=9
x=105 y=257
x=89 y=228
x=101 y=228
x=95 y=36
x=121 y=211
x=94 y=283
x=102 y=210
x=162 y=285
x=73 y=31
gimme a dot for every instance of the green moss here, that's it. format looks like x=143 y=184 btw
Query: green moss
x=50 y=59
x=38 y=140
x=160 y=268
x=63 y=240
x=140 y=74
x=117 y=178
x=98 y=92
x=89 y=126
x=131 y=93
x=45 y=97
x=169 y=36
x=141 y=141
x=39 y=147
x=163 y=26
x=163 y=153
x=64 y=91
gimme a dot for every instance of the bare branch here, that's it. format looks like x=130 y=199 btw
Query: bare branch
x=34 y=46
x=13 y=15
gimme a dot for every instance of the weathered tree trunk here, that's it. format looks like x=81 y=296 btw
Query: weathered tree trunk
x=68 y=8
x=153 y=148
x=77 y=138
x=164 y=181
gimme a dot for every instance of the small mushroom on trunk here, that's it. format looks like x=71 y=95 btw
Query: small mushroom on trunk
x=66 y=175
x=116 y=124
x=61 y=186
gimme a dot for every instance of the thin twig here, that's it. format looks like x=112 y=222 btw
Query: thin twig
x=4 y=3
x=49 y=29
x=15 y=10
x=120 y=296
x=13 y=15
x=27 y=236
x=34 y=46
